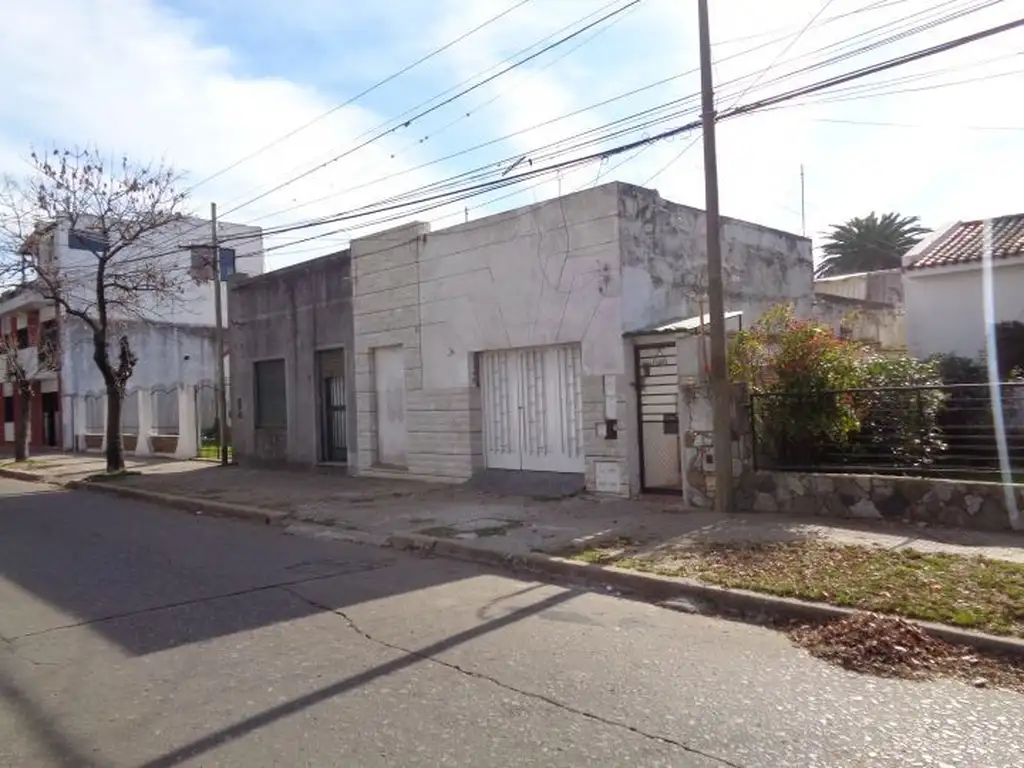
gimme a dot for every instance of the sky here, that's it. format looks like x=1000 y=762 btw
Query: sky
x=204 y=84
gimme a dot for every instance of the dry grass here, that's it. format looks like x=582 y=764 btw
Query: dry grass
x=977 y=593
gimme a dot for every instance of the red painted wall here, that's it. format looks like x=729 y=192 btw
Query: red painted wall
x=38 y=436
x=33 y=327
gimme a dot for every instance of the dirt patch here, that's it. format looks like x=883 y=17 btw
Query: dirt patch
x=974 y=592
x=475 y=529
x=891 y=647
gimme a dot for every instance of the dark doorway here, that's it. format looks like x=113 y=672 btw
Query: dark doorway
x=51 y=418
x=333 y=442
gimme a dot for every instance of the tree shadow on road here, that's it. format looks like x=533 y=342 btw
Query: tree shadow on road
x=151 y=579
x=265 y=718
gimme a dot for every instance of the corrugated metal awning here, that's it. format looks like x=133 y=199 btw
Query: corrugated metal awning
x=687 y=325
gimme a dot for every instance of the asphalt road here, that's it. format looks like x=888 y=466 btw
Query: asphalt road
x=138 y=636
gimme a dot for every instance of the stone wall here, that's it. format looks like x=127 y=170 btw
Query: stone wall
x=874 y=497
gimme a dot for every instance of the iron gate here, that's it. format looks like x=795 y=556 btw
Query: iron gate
x=657 y=377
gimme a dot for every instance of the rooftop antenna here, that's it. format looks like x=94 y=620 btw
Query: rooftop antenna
x=803 y=204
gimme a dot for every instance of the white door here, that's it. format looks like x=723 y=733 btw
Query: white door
x=389 y=375
x=532 y=405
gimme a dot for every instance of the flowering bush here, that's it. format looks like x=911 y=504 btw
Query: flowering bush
x=819 y=398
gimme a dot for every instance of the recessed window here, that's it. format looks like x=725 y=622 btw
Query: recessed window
x=271 y=394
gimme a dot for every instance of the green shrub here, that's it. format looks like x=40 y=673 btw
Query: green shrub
x=823 y=400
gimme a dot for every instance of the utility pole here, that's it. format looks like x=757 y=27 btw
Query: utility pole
x=722 y=436
x=803 y=203
x=222 y=401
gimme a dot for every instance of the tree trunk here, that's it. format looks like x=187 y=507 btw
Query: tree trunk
x=115 y=445
x=21 y=424
x=115 y=396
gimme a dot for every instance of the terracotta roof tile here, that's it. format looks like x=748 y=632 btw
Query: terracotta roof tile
x=963 y=243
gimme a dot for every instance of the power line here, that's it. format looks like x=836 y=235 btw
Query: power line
x=734 y=112
x=399 y=118
x=437 y=106
x=795 y=39
x=361 y=94
x=478 y=172
x=941 y=126
x=406 y=201
x=753 y=83
x=927 y=19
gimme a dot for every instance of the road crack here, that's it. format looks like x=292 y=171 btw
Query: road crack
x=593 y=716
x=364 y=568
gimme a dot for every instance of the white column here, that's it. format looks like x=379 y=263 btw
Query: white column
x=78 y=421
x=188 y=444
x=145 y=420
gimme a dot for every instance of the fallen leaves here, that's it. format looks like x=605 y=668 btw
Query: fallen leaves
x=891 y=647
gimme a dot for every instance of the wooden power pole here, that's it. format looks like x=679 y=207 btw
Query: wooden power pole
x=222 y=395
x=720 y=390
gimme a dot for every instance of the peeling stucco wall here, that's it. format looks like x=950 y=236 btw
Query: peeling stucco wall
x=664 y=263
x=880 y=325
x=884 y=286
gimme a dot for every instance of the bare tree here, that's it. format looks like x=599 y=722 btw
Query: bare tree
x=113 y=215
x=22 y=368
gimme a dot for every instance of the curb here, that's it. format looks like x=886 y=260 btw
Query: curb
x=25 y=476
x=188 y=504
x=196 y=506
x=684 y=595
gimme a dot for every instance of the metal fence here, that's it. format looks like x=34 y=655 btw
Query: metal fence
x=207 y=426
x=932 y=431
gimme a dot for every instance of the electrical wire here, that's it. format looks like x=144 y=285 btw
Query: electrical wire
x=735 y=112
x=926 y=19
x=365 y=92
x=400 y=209
x=437 y=106
x=398 y=121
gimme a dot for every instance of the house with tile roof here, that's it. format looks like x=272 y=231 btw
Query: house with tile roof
x=946 y=296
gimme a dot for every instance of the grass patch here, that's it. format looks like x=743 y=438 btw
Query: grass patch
x=976 y=593
x=26 y=464
x=210 y=450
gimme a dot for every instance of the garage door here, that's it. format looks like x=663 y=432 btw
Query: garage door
x=532 y=409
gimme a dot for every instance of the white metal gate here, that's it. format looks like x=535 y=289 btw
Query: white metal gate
x=532 y=405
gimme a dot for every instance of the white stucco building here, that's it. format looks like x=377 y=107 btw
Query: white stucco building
x=170 y=333
x=520 y=341
x=944 y=286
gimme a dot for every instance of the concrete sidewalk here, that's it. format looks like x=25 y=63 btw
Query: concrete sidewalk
x=377 y=511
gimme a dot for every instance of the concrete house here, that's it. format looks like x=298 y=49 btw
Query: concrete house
x=291 y=364
x=30 y=322
x=171 y=393
x=866 y=306
x=514 y=343
x=944 y=289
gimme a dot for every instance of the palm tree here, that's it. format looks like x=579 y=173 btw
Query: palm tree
x=869 y=243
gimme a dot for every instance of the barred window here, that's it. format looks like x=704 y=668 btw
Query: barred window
x=271 y=394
